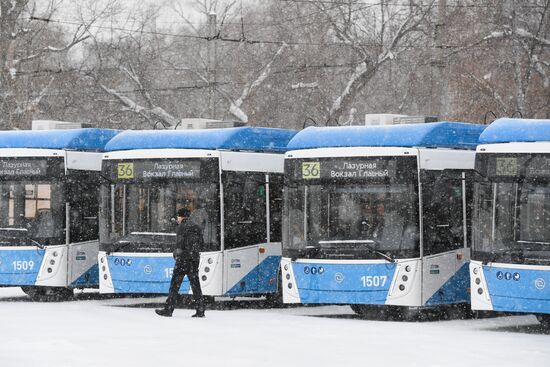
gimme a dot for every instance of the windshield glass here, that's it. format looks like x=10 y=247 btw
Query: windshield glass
x=351 y=219
x=512 y=222
x=31 y=213
x=140 y=215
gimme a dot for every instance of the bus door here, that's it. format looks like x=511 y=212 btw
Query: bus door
x=245 y=233
x=445 y=254
x=83 y=209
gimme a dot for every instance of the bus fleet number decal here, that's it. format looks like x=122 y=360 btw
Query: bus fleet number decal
x=374 y=280
x=23 y=265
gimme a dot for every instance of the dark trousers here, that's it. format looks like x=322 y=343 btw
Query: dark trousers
x=181 y=269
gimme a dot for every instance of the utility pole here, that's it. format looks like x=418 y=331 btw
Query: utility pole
x=212 y=61
x=440 y=86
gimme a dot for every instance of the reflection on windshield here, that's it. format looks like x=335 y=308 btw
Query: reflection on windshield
x=513 y=220
x=143 y=214
x=344 y=219
x=31 y=210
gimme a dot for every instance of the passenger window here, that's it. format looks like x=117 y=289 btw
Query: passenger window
x=442 y=204
x=244 y=209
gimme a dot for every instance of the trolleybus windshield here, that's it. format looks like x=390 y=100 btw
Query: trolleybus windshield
x=32 y=209
x=358 y=208
x=139 y=205
x=512 y=209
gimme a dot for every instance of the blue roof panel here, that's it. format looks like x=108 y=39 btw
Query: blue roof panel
x=235 y=138
x=432 y=135
x=71 y=139
x=508 y=130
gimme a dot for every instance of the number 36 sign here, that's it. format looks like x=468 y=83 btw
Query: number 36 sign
x=311 y=170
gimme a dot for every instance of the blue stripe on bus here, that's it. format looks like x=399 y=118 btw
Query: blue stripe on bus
x=138 y=274
x=455 y=290
x=261 y=279
x=15 y=266
x=89 y=278
x=343 y=283
x=518 y=290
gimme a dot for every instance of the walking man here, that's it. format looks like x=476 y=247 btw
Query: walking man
x=189 y=241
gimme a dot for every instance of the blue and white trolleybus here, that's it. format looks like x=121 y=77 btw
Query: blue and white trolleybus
x=510 y=267
x=49 y=185
x=377 y=215
x=230 y=179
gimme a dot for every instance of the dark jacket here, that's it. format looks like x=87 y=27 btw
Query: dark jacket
x=189 y=241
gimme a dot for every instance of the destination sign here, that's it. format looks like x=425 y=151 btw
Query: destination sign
x=515 y=166
x=157 y=170
x=20 y=167
x=133 y=170
x=353 y=168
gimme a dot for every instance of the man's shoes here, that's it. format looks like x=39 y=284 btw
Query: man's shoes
x=198 y=314
x=164 y=312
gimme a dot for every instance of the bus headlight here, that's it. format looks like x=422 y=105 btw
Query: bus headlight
x=405 y=278
x=52 y=262
x=475 y=271
x=478 y=281
x=401 y=287
x=480 y=291
x=206 y=269
x=204 y=277
x=408 y=268
x=286 y=267
x=210 y=260
x=55 y=254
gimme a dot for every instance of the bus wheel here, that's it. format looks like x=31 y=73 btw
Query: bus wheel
x=48 y=294
x=544 y=320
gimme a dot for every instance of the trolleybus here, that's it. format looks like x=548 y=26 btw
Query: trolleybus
x=510 y=267
x=230 y=179
x=49 y=185
x=378 y=215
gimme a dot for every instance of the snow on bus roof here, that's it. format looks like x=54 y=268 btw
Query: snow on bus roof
x=235 y=138
x=433 y=135
x=71 y=139
x=506 y=130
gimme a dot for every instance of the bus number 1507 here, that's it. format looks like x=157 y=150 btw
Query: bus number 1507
x=374 y=280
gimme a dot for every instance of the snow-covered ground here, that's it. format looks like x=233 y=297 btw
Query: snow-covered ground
x=125 y=332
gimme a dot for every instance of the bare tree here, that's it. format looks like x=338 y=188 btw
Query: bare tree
x=30 y=44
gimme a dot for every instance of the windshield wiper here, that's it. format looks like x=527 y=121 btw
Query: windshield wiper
x=365 y=243
x=535 y=242
x=38 y=244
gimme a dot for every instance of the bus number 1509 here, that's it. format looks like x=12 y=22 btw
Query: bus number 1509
x=374 y=280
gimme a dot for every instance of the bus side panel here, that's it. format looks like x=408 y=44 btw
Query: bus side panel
x=20 y=266
x=253 y=270
x=342 y=283
x=83 y=269
x=518 y=289
x=446 y=278
x=130 y=273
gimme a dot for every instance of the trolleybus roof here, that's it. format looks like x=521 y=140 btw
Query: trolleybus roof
x=506 y=130
x=432 y=135
x=236 y=138
x=71 y=139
